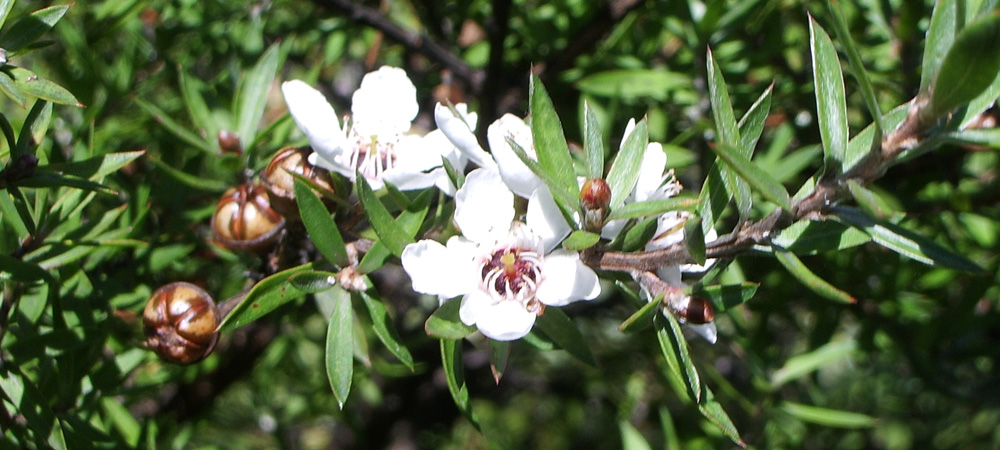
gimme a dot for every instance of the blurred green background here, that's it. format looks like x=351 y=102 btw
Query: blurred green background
x=912 y=365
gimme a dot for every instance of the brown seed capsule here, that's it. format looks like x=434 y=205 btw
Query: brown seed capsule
x=698 y=311
x=244 y=220
x=595 y=197
x=180 y=322
x=229 y=142
x=281 y=185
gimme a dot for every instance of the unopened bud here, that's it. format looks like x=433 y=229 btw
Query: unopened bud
x=595 y=197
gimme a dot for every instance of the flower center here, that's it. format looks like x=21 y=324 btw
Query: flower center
x=370 y=155
x=512 y=274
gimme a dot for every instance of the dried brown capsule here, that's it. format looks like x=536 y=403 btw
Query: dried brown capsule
x=180 y=322
x=698 y=311
x=244 y=219
x=230 y=143
x=281 y=185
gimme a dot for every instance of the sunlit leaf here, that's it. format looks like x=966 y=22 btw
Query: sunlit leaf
x=580 y=240
x=804 y=364
x=445 y=323
x=629 y=84
x=322 y=229
x=625 y=169
x=857 y=65
x=313 y=281
x=648 y=208
x=751 y=125
x=550 y=143
x=265 y=296
x=558 y=327
x=831 y=102
x=940 y=36
x=809 y=237
x=828 y=417
x=812 y=281
x=754 y=175
x=253 y=94
x=389 y=232
x=723 y=297
x=675 y=349
x=28 y=29
x=93 y=168
x=593 y=143
x=968 y=68
x=340 y=345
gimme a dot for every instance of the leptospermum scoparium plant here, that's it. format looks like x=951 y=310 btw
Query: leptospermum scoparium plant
x=503 y=272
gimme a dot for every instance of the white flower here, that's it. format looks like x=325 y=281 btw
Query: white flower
x=506 y=271
x=518 y=177
x=374 y=144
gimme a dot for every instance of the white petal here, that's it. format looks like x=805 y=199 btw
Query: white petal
x=519 y=177
x=474 y=305
x=504 y=321
x=567 y=279
x=669 y=230
x=628 y=131
x=484 y=206
x=670 y=274
x=438 y=270
x=545 y=219
x=315 y=117
x=650 y=172
x=706 y=330
x=385 y=104
x=418 y=163
x=459 y=130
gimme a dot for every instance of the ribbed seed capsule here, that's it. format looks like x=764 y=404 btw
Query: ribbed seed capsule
x=280 y=184
x=244 y=219
x=180 y=322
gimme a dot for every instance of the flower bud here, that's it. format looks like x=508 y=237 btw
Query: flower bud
x=595 y=197
x=280 y=184
x=180 y=322
x=698 y=311
x=244 y=220
x=229 y=142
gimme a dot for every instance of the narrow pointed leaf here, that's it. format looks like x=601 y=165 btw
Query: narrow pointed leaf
x=812 y=281
x=728 y=134
x=905 y=242
x=94 y=168
x=940 y=36
x=715 y=413
x=389 y=232
x=675 y=349
x=42 y=88
x=857 y=66
x=445 y=323
x=191 y=88
x=804 y=364
x=653 y=208
x=639 y=235
x=713 y=198
x=566 y=199
x=828 y=417
x=550 y=143
x=969 y=67
x=580 y=240
x=409 y=222
x=754 y=175
x=625 y=169
x=593 y=143
x=29 y=29
x=253 y=94
x=13 y=90
x=322 y=229
x=454 y=372
x=831 y=102
x=558 y=327
x=724 y=297
x=385 y=330
x=313 y=281
x=340 y=346
x=174 y=128
x=694 y=239
x=631 y=437
x=869 y=201
x=641 y=319
x=808 y=237
x=499 y=355
x=265 y=296
x=751 y=125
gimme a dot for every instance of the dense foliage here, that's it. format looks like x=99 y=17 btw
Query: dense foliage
x=838 y=162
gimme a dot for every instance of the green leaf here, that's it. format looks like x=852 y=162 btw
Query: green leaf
x=252 y=97
x=624 y=170
x=653 y=208
x=631 y=437
x=831 y=102
x=558 y=327
x=340 y=345
x=728 y=134
x=940 y=36
x=24 y=272
x=385 y=330
x=580 y=240
x=42 y=88
x=13 y=90
x=265 y=296
x=634 y=84
x=499 y=355
x=989 y=137
x=869 y=201
x=93 y=168
x=175 y=128
x=192 y=181
x=5 y=6
x=804 y=364
x=641 y=318
x=568 y=201
x=808 y=237
x=313 y=281
x=29 y=29
x=51 y=180
x=968 y=68
x=593 y=143
x=857 y=66
x=827 y=417
x=550 y=143
x=713 y=198
x=389 y=232
x=805 y=276
x=694 y=239
x=869 y=140
x=638 y=236
x=454 y=372
x=723 y=297
x=322 y=229
x=713 y=411
x=754 y=175
x=905 y=242
x=191 y=88
x=675 y=350
x=751 y=125
x=445 y=323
